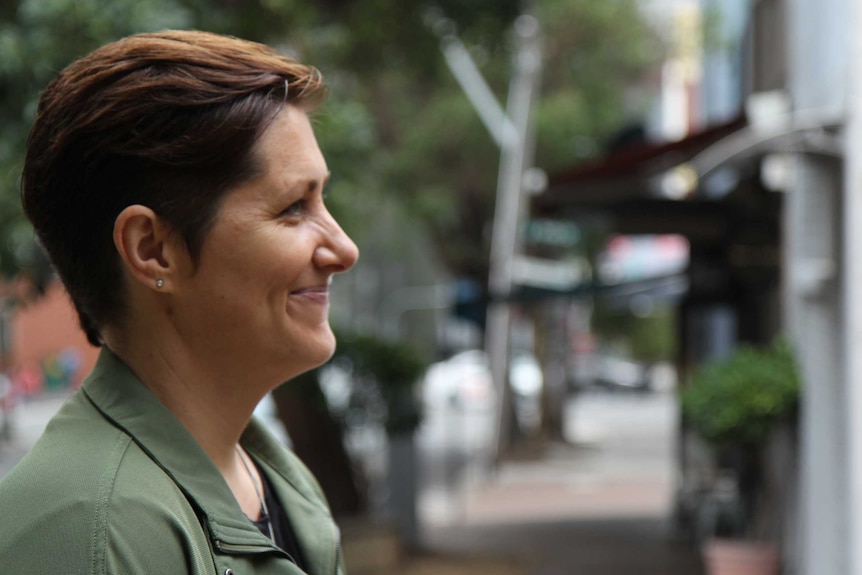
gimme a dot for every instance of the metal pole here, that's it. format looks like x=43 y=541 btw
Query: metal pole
x=852 y=282
x=515 y=157
x=470 y=78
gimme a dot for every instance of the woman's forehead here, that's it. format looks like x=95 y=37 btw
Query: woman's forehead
x=288 y=148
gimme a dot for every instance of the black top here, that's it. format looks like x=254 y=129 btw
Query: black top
x=281 y=529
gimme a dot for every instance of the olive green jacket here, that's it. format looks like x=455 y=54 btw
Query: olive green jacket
x=117 y=485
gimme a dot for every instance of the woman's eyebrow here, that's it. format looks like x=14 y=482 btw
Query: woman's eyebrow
x=314 y=184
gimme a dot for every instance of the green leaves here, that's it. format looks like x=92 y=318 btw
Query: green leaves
x=397 y=128
x=740 y=399
x=37 y=39
x=385 y=372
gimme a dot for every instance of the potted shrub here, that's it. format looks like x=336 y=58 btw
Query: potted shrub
x=735 y=405
x=385 y=377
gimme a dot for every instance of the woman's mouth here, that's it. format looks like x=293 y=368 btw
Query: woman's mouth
x=317 y=294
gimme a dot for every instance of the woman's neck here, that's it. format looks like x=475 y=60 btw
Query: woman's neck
x=214 y=408
x=213 y=400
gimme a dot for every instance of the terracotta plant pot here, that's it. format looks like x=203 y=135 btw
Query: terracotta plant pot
x=736 y=557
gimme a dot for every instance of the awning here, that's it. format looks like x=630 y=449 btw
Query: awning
x=629 y=187
x=627 y=173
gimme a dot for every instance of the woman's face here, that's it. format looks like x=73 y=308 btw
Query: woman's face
x=260 y=292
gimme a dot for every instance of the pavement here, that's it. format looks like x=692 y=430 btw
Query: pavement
x=540 y=516
x=598 y=504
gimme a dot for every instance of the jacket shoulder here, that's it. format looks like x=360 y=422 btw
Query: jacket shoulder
x=88 y=499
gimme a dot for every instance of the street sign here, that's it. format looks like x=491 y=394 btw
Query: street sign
x=549 y=274
x=556 y=233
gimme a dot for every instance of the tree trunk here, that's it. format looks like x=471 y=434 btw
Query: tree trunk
x=551 y=349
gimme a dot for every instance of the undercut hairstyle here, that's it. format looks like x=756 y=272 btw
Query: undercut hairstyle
x=166 y=120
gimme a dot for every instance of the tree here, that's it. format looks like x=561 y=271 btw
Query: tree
x=397 y=124
x=433 y=152
x=383 y=378
x=36 y=40
x=649 y=339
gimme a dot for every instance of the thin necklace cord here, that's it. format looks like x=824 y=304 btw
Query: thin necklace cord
x=263 y=506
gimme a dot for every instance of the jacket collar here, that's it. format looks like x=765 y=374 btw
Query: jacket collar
x=301 y=499
x=125 y=401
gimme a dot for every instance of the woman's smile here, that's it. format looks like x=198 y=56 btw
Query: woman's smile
x=316 y=294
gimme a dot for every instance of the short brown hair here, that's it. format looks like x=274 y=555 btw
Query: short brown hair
x=167 y=120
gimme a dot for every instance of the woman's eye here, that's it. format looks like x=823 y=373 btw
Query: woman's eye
x=294 y=209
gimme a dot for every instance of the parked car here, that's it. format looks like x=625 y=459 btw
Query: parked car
x=464 y=382
x=620 y=373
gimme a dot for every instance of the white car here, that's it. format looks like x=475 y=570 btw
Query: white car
x=616 y=372
x=464 y=381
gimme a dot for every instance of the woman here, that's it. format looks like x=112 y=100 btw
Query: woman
x=175 y=181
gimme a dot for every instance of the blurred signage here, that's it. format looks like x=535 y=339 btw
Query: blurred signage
x=634 y=258
x=556 y=233
x=549 y=274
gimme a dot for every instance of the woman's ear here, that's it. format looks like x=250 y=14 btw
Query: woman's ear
x=145 y=245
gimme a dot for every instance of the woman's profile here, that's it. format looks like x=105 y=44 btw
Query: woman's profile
x=175 y=181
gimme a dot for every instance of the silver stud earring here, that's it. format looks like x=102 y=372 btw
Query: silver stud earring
x=160 y=283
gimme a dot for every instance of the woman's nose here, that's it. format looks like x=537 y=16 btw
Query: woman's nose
x=337 y=252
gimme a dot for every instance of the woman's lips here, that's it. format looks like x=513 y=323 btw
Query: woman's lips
x=315 y=294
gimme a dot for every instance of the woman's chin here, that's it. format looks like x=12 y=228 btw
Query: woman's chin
x=325 y=355
x=318 y=351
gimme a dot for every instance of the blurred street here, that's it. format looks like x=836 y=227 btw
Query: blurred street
x=599 y=505
x=27 y=422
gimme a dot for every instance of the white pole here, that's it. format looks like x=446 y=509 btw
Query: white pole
x=852 y=282
x=513 y=132
x=485 y=103
x=472 y=82
x=515 y=157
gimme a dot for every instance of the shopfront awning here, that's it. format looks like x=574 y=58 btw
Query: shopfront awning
x=681 y=187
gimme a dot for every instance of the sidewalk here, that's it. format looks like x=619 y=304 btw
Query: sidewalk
x=623 y=546
x=531 y=514
x=598 y=506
